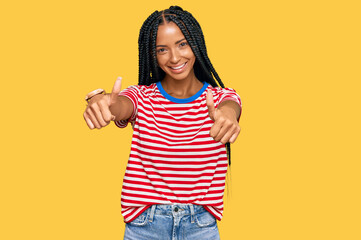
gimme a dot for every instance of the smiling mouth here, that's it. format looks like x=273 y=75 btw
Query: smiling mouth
x=179 y=67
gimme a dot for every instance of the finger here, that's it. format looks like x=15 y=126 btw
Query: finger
x=210 y=105
x=223 y=132
x=235 y=135
x=226 y=137
x=88 y=121
x=104 y=108
x=92 y=118
x=116 y=90
x=215 y=129
x=98 y=115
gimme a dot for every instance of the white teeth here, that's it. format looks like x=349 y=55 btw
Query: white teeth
x=179 y=66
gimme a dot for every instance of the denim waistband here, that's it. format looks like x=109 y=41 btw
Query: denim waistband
x=175 y=209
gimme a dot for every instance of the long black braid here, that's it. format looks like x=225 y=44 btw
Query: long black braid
x=150 y=72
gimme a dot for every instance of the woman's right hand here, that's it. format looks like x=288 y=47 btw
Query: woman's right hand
x=100 y=109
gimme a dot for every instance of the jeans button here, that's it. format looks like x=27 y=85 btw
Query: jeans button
x=176 y=209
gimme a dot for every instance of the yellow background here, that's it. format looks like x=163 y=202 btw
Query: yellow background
x=296 y=164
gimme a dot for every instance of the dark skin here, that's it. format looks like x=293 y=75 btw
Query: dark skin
x=175 y=57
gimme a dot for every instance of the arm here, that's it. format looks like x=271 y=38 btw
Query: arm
x=104 y=108
x=231 y=108
x=225 y=128
x=122 y=109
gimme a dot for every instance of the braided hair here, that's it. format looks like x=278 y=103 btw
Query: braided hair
x=150 y=72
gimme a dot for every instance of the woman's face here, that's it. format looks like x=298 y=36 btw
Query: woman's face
x=174 y=55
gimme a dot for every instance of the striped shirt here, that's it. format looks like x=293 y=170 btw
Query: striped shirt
x=173 y=159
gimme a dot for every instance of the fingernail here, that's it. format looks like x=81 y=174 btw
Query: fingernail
x=119 y=78
x=113 y=118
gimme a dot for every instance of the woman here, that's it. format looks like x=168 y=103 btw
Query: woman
x=174 y=182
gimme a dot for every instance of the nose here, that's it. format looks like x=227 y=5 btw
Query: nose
x=175 y=56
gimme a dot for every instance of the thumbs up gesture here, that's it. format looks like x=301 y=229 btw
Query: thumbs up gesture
x=103 y=108
x=225 y=128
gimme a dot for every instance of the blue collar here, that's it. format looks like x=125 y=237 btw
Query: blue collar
x=181 y=100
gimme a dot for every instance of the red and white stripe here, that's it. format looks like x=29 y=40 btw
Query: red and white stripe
x=173 y=159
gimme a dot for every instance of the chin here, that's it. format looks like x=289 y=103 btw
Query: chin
x=179 y=77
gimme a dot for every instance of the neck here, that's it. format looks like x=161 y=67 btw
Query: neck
x=182 y=88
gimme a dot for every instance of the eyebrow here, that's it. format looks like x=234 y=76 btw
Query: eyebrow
x=175 y=43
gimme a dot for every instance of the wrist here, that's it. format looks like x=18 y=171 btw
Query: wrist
x=230 y=108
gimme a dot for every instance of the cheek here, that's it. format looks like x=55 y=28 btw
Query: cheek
x=161 y=59
x=191 y=55
x=161 y=62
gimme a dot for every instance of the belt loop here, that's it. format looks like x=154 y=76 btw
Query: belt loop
x=152 y=210
x=192 y=213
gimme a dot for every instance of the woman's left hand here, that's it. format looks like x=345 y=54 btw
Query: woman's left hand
x=225 y=128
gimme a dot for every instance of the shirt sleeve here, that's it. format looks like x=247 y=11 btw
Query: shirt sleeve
x=225 y=94
x=132 y=93
x=228 y=94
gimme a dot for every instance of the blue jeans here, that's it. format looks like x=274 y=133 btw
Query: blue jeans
x=173 y=222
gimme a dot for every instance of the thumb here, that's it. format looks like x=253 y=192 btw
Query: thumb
x=210 y=105
x=116 y=90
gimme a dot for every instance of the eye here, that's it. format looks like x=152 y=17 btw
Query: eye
x=161 y=50
x=183 y=44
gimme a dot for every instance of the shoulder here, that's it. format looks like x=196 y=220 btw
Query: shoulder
x=222 y=94
x=141 y=89
x=220 y=90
